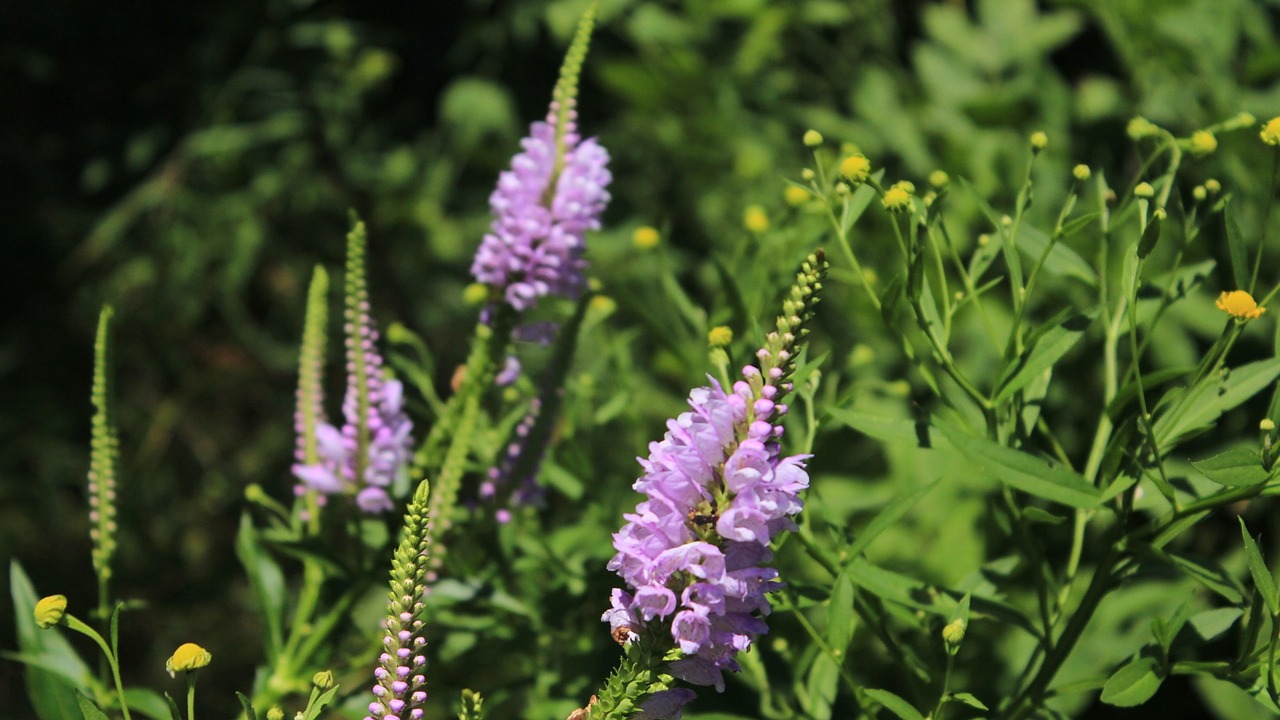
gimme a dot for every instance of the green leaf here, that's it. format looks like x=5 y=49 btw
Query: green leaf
x=1239 y=467
x=1040 y=515
x=1209 y=574
x=1028 y=473
x=1262 y=579
x=54 y=670
x=967 y=699
x=1061 y=261
x=1212 y=623
x=267 y=582
x=1048 y=350
x=1134 y=683
x=1075 y=225
x=894 y=704
x=840 y=614
x=821 y=687
x=88 y=709
x=174 y=713
x=887 y=518
x=249 y=712
x=1235 y=248
x=317 y=705
x=1212 y=396
x=1150 y=236
x=886 y=429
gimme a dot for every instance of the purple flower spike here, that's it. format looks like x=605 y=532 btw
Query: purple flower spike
x=542 y=209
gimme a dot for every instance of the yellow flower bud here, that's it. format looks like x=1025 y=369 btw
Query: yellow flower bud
x=1213 y=186
x=1239 y=304
x=1039 y=140
x=1203 y=142
x=953 y=633
x=475 y=293
x=1144 y=190
x=188 y=657
x=1081 y=172
x=1199 y=193
x=856 y=168
x=603 y=304
x=323 y=680
x=939 y=179
x=1140 y=128
x=1267 y=425
x=720 y=336
x=755 y=219
x=807 y=173
x=1159 y=214
x=275 y=713
x=796 y=195
x=645 y=237
x=49 y=610
x=812 y=138
x=1271 y=132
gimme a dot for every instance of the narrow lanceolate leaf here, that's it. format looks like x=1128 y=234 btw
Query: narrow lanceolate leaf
x=895 y=704
x=104 y=449
x=310 y=400
x=1203 y=403
x=1134 y=683
x=1236 y=249
x=1262 y=579
x=1239 y=467
x=1048 y=350
x=1029 y=473
x=887 y=518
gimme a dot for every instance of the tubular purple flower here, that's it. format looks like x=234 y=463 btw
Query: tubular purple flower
x=695 y=552
x=542 y=208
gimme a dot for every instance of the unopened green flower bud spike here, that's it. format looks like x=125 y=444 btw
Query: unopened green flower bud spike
x=104 y=449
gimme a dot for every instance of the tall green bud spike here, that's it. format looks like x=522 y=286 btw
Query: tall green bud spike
x=472 y=706
x=564 y=98
x=310 y=400
x=787 y=339
x=104 y=449
x=359 y=338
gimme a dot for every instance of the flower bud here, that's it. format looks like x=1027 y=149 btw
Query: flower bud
x=188 y=657
x=720 y=336
x=1081 y=172
x=1144 y=190
x=49 y=610
x=275 y=713
x=323 y=680
x=1267 y=425
x=1039 y=140
x=812 y=138
x=645 y=237
x=953 y=634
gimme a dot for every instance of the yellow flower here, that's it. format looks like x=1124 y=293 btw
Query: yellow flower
x=1203 y=142
x=188 y=657
x=1140 y=127
x=896 y=198
x=720 y=336
x=475 y=293
x=1081 y=172
x=856 y=168
x=1039 y=140
x=1271 y=132
x=939 y=178
x=645 y=237
x=1199 y=193
x=49 y=610
x=1213 y=186
x=603 y=304
x=755 y=219
x=812 y=138
x=1267 y=425
x=1144 y=190
x=796 y=195
x=1239 y=304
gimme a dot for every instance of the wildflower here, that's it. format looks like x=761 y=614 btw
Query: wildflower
x=542 y=208
x=898 y=197
x=796 y=196
x=953 y=633
x=1271 y=132
x=1144 y=190
x=374 y=446
x=1039 y=140
x=188 y=657
x=1199 y=193
x=1213 y=186
x=939 y=178
x=645 y=237
x=717 y=492
x=1081 y=172
x=49 y=610
x=1267 y=425
x=399 y=687
x=812 y=138
x=807 y=173
x=1239 y=304
x=755 y=219
x=855 y=168
x=1203 y=142
x=275 y=713
x=323 y=679
x=720 y=336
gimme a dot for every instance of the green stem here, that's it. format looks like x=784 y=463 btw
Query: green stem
x=191 y=695
x=75 y=623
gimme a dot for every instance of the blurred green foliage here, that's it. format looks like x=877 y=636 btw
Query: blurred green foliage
x=191 y=167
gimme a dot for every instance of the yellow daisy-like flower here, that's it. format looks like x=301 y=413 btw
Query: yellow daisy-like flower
x=188 y=657
x=1203 y=142
x=1271 y=132
x=855 y=168
x=49 y=610
x=1039 y=140
x=645 y=237
x=720 y=336
x=897 y=198
x=1239 y=304
x=795 y=195
x=755 y=219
